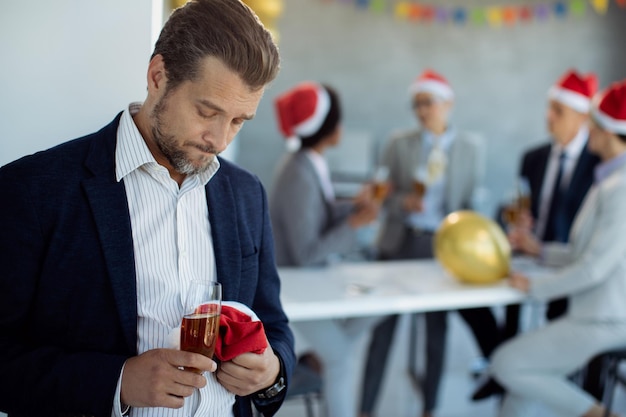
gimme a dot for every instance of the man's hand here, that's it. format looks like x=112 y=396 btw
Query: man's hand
x=364 y=214
x=249 y=372
x=163 y=377
x=522 y=239
x=413 y=203
x=519 y=281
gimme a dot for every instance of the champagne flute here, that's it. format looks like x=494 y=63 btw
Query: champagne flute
x=201 y=319
x=523 y=193
x=420 y=177
x=511 y=210
x=380 y=183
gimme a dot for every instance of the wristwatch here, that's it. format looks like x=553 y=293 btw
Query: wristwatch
x=272 y=391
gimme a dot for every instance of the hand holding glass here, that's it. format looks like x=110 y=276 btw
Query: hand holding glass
x=201 y=319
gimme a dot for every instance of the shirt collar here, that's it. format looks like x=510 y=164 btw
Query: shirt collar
x=132 y=152
x=605 y=169
x=575 y=147
x=445 y=139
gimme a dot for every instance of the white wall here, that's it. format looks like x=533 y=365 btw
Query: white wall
x=500 y=76
x=68 y=67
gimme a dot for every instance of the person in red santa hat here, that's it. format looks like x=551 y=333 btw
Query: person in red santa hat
x=590 y=269
x=559 y=174
x=434 y=169
x=312 y=227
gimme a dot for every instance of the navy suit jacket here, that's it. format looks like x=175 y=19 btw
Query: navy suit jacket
x=68 y=303
x=534 y=164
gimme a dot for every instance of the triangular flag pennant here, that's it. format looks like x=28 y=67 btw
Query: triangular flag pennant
x=578 y=7
x=414 y=11
x=494 y=16
x=600 y=6
x=459 y=15
x=621 y=3
x=525 y=13
x=542 y=12
x=377 y=5
x=441 y=15
x=560 y=9
x=478 y=16
x=402 y=10
x=427 y=13
x=509 y=15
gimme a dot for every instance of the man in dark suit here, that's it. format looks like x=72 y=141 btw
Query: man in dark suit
x=101 y=236
x=559 y=174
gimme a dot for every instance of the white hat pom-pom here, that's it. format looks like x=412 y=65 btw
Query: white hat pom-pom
x=293 y=143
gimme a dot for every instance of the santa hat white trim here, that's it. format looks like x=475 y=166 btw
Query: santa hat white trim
x=606 y=122
x=434 y=87
x=576 y=101
x=313 y=123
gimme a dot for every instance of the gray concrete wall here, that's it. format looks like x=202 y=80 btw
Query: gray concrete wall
x=500 y=76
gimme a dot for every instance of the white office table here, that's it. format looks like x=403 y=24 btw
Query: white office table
x=391 y=287
x=379 y=288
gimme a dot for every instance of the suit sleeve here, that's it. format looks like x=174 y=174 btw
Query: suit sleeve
x=601 y=256
x=40 y=376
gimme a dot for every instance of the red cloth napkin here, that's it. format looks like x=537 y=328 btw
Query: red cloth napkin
x=238 y=334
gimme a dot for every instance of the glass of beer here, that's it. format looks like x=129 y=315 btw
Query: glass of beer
x=381 y=183
x=201 y=319
x=420 y=176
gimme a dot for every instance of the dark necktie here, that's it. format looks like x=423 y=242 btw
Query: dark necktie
x=556 y=228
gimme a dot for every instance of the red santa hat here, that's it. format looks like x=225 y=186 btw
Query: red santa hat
x=431 y=82
x=575 y=90
x=609 y=108
x=301 y=111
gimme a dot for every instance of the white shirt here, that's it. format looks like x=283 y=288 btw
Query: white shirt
x=172 y=244
x=323 y=172
x=572 y=153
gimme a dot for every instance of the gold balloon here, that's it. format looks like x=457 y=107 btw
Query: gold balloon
x=472 y=248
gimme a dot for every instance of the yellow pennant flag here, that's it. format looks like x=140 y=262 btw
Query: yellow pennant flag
x=402 y=10
x=494 y=16
x=600 y=6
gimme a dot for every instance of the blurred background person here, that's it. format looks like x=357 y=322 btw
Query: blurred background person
x=434 y=169
x=312 y=228
x=559 y=174
x=590 y=270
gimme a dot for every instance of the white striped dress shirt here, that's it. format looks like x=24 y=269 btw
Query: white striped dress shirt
x=172 y=244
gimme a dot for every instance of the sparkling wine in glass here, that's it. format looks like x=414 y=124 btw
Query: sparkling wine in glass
x=420 y=176
x=381 y=183
x=201 y=319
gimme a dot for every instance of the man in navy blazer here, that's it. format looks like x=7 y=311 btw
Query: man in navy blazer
x=73 y=258
x=564 y=167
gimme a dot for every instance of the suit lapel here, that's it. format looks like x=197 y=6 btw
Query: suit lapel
x=109 y=206
x=223 y=219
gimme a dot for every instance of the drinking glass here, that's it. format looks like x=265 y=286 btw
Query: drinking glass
x=201 y=319
x=380 y=183
x=523 y=193
x=420 y=177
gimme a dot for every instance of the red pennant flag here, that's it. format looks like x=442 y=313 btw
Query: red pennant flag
x=621 y=3
x=427 y=13
x=525 y=13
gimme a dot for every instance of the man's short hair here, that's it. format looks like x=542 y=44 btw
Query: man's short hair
x=225 y=29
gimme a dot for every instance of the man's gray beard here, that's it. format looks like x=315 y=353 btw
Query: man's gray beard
x=167 y=145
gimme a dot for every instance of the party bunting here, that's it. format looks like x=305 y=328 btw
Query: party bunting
x=491 y=15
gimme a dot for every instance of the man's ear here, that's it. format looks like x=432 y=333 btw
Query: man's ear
x=157 y=79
